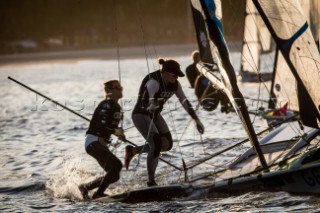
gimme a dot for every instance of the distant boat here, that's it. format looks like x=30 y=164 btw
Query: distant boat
x=256 y=41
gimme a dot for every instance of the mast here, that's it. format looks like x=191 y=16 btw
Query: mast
x=227 y=71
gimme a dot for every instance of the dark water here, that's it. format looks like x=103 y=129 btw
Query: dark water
x=43 y=159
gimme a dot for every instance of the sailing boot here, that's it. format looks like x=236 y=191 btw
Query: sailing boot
x=97 y=195
x=152 y=183
x=128 y=156
x=84 y=191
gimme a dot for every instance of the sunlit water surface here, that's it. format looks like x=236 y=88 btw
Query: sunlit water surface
x=43 y=160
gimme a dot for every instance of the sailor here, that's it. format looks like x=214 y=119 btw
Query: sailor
x=156 y=88
x=192 y=71
x=104 y=122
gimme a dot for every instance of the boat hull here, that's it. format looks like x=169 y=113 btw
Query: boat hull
x=304 y=180
x=151 y=194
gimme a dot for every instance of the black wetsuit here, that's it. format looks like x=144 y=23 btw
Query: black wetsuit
x=152 y=126
x=192 y=73
x=105 y=119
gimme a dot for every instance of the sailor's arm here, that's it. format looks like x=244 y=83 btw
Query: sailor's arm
x=152 y=87
x=188 y=107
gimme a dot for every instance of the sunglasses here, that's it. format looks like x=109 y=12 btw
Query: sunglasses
x=171 y=74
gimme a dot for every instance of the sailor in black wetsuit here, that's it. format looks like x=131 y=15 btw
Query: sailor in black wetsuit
x=192 y=71
x=104 y=122
x=155 y=90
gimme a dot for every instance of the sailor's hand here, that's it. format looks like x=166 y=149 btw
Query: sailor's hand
x=152 y=107
x=119 y=133
x=200 y=126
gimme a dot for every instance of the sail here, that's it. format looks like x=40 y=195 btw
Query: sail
x=290 y=30
x=284 y=85
x=256 y=41
x=315 y=20
x=211 y=11
x=264 y=35
x=305 y=6
x=202 y=37
x=251 y=46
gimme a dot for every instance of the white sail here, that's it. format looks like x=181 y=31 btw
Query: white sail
x=285 y=85
x=289 y=29
x=256 y=41
x=264 y=36
x=251 y=47
x=305 y=5
x=315 y=19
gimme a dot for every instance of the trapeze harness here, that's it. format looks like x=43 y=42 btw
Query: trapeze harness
x=152 y=126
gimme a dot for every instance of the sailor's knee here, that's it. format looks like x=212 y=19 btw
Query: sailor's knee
x=116 y=177
x=117 y=165
x=167 y=141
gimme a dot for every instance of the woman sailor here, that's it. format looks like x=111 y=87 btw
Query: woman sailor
x=156 y=88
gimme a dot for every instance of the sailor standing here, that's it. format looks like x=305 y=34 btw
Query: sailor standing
x=156 y=88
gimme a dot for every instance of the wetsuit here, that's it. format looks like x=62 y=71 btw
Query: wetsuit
x=152 y=126
x=192 y=73
x=105 y=119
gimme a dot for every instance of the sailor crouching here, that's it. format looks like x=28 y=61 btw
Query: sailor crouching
x=104 y=122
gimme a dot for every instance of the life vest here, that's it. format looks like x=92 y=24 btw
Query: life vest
x=192 y=74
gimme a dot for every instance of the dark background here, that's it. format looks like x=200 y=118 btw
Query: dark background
x=49 y=25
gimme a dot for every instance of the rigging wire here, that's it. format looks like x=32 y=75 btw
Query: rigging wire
x=148 y=69
x=160 y=80
x=255 y=66
x=196 y=109
x=140 y=18
x=118 y=63
x=142 y=34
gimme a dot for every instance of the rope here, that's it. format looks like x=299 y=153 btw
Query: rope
x=119 y=68
x=142 y=34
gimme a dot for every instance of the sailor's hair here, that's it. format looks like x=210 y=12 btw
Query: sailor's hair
x=161 y=61
x=195 y=56
x=109 y=85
